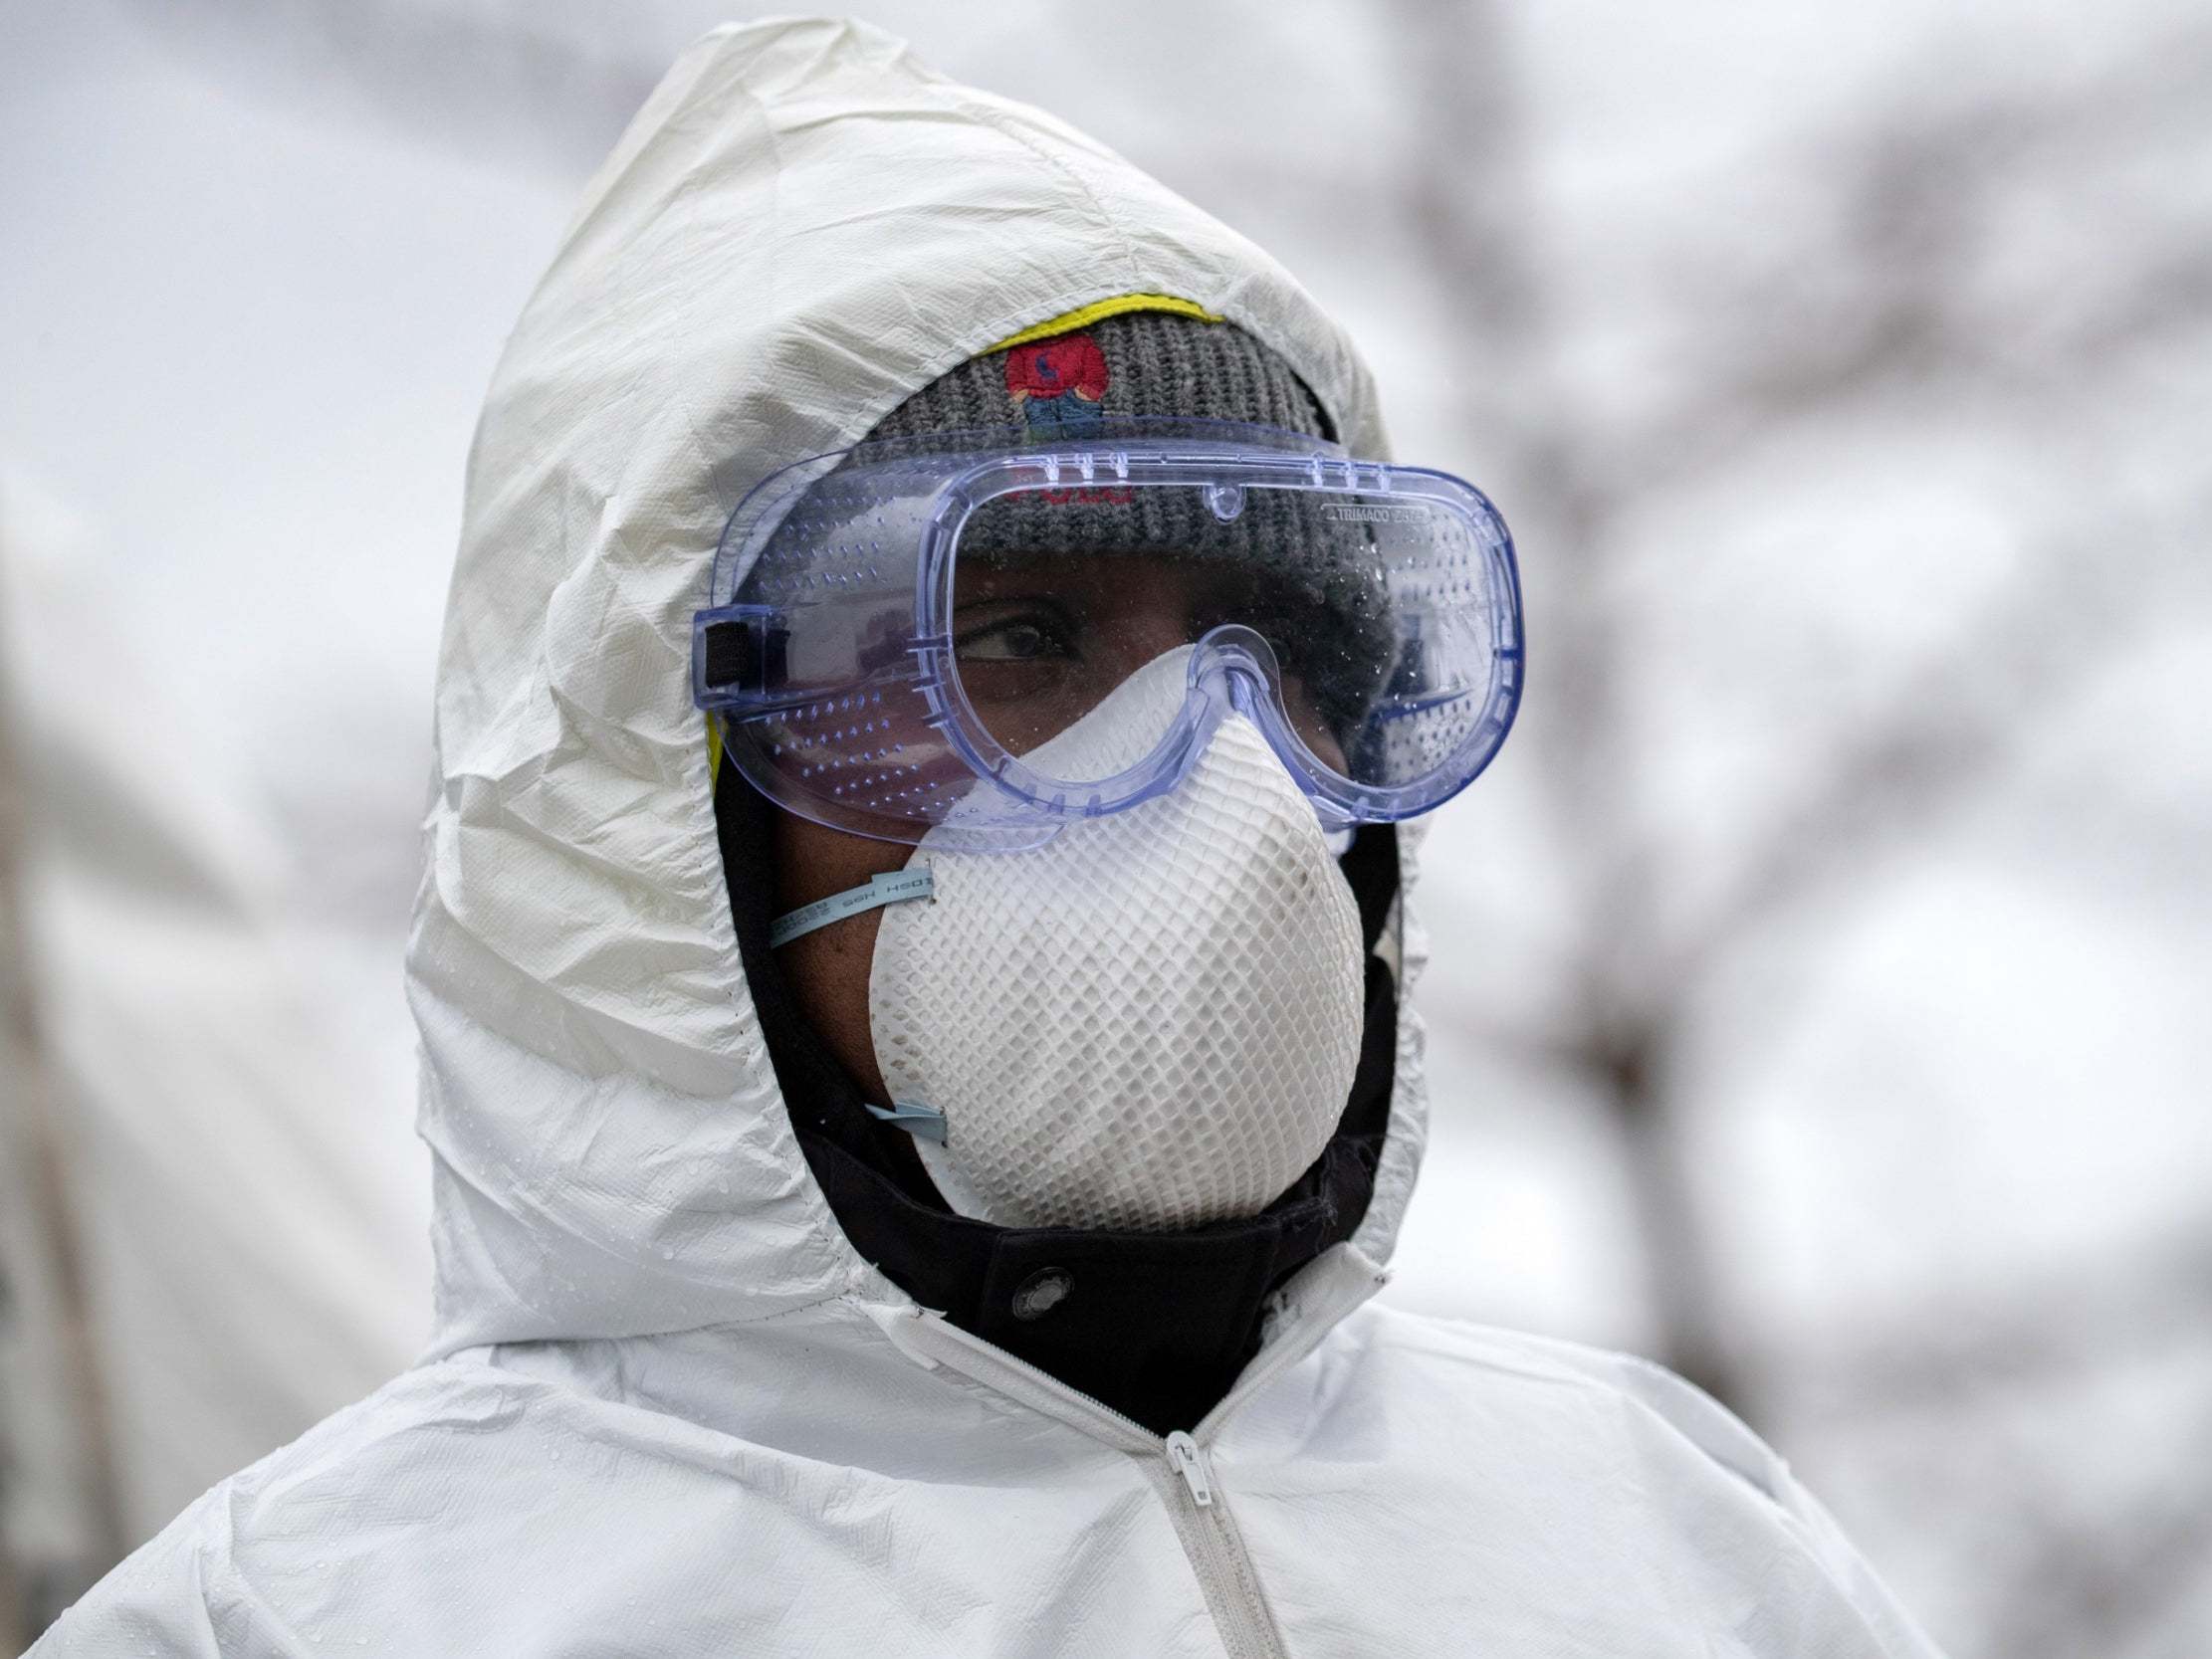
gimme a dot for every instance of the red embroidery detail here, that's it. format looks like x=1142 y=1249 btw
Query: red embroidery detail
x=1090 y=495
x=1051 y=368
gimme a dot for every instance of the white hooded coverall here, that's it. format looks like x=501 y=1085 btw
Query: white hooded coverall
x=668 y=1408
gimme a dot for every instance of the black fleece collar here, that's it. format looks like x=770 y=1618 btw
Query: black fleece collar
x=1156 y=1326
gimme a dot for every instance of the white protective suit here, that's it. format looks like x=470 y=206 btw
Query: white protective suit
x=669 y=1408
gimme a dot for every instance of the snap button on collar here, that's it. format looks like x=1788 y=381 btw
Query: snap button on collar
x=1041 y=1291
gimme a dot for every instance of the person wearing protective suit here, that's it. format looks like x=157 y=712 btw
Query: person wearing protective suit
x=914 y=1148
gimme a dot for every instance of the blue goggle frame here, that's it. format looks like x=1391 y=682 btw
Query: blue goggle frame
x=829 y=648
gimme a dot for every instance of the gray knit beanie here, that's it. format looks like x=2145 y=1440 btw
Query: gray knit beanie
x=1057 y=390
x=1060 y=389
x=1139 y=364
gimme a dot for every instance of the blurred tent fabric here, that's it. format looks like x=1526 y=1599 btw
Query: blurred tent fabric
x=57 y=1519
x=237 y=1171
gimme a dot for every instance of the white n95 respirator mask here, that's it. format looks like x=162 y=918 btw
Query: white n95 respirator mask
x=1151 y=1021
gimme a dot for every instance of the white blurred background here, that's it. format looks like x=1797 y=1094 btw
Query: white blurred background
x=1823 y=983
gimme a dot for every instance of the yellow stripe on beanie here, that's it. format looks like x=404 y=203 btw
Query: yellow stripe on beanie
x=1099 y=309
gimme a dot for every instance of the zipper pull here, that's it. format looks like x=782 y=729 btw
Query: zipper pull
x=1189 y=1462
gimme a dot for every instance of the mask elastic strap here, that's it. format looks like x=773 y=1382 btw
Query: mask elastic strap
x=924 y=1123
x=892 y=889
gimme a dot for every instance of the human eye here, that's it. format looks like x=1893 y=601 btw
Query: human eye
x=1010 y=631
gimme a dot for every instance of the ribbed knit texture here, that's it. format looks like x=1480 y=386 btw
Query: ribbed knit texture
x=1143 y=364
x=1157 y=363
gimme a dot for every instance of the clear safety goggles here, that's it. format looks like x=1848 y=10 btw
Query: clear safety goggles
x=918 y=635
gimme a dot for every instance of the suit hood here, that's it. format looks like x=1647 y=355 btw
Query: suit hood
x=802 y=227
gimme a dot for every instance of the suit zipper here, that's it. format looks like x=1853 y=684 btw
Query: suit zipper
x=1176 y=1463
x=1218 y=1557
x=1190 y=1463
